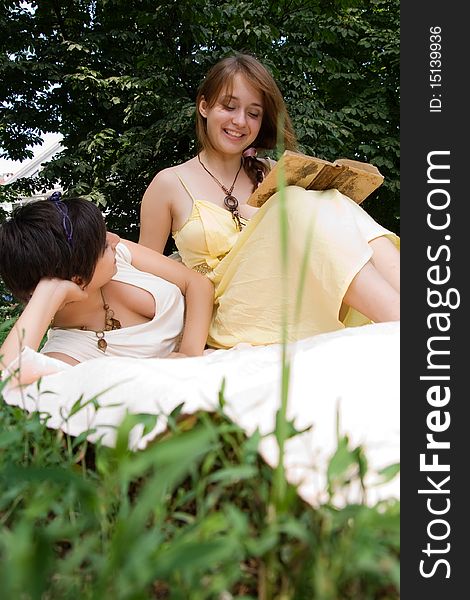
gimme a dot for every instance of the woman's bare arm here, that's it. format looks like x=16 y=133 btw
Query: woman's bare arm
x=155 y=212
x=197 y=289
x=49 y=296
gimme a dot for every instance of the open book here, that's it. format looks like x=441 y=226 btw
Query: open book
x=351 y=177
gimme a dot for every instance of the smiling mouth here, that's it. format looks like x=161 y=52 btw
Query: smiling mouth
x=234 y=134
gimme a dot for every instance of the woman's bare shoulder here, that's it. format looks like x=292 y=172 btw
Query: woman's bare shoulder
x=167 y=179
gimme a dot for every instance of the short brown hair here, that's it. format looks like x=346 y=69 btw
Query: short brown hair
x=33 y=244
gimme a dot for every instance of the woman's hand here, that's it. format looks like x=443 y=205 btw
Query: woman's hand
x=64 y=288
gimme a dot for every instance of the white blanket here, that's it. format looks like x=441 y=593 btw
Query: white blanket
x=356 y=367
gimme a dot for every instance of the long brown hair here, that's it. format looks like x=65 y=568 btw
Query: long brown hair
x=221 y=76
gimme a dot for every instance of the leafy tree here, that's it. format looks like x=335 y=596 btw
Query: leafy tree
x=118 y=79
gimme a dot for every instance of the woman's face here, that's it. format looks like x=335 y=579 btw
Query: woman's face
x=234 y=121
x=106 y=265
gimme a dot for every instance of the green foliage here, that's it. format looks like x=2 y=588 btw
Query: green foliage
x=9 y=311
x=188 y=517
x=119 y=80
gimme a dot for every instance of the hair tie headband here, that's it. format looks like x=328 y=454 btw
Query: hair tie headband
x=250 y=152
x=62 y=208
x=55 y=197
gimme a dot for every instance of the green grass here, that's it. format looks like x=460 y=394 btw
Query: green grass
x=191 y=516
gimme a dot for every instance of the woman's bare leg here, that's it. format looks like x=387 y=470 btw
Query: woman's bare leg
x=371 y=294
x=386 y=259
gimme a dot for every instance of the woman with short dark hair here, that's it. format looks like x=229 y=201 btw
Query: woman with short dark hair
x=100 y=294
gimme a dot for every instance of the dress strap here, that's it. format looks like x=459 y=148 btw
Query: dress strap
x=186 y=188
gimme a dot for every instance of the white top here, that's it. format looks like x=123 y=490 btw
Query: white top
x=153 y=339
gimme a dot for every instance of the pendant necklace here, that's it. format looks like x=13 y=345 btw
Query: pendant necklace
x=230 y=202
x=110 y=324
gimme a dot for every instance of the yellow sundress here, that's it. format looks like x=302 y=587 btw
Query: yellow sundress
x=327 y=239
